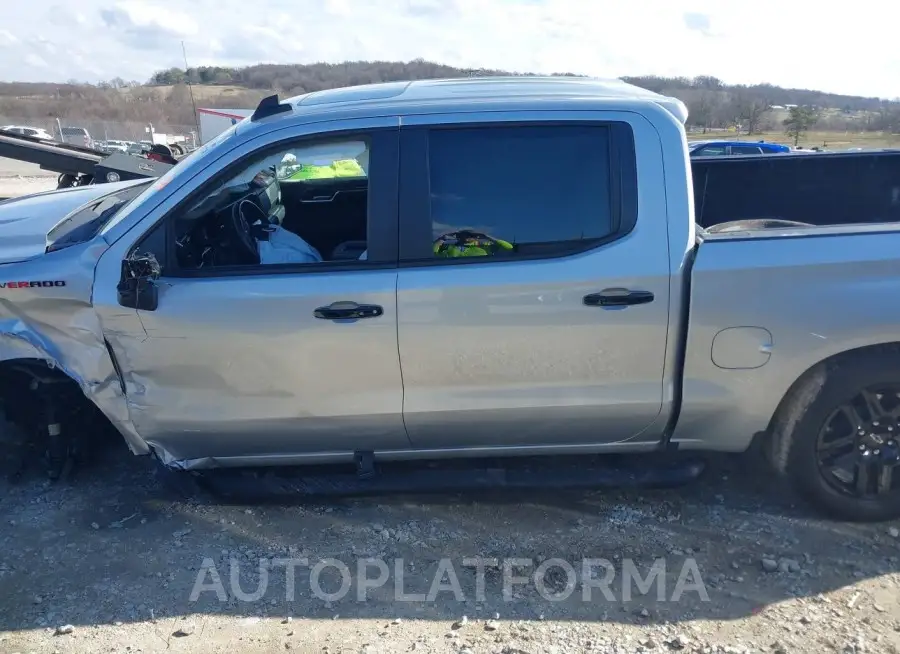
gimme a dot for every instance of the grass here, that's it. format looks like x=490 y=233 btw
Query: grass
x=827 y=140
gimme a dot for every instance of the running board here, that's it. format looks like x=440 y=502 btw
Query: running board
x=274 y=484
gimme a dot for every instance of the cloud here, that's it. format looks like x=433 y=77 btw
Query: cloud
x=769 y=41
x=698 y=22
x=7 y=38
x=147 y=26
x=36 y=61
x=65 y=16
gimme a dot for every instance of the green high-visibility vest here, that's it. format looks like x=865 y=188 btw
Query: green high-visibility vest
x=340 y=168
x=471 y=247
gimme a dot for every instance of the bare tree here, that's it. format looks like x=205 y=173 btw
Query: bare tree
x=887 y=118
x=704 y=108
x=179 y=95
x=750 y=111
x=707 y=83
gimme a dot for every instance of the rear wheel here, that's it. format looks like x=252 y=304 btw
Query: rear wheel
x=843 y=453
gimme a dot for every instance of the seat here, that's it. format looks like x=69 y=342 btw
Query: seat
x=327 y=212
x=349 y=250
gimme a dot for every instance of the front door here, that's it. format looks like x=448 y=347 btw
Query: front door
x=263 y=359
x=533 y=295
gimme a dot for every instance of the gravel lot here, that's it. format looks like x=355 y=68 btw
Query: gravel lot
x=19 y=178
x=108 y=562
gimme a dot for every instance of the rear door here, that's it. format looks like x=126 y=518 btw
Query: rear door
x=533 y=293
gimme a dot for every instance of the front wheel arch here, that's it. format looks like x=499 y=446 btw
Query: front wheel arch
x=48 y=413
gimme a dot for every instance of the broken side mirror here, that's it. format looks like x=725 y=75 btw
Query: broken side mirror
x=137 y=287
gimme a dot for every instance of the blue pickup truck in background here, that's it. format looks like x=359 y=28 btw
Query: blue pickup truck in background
x=726 y=148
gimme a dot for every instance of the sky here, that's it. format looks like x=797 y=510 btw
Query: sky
x=837 y=47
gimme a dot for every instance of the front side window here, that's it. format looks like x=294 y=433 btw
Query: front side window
x=300 y=204
x=198 y=159
x=512 y=191
x=746 y=149
x=711 y=151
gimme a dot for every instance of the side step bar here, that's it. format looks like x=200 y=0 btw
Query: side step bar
x=275 y=484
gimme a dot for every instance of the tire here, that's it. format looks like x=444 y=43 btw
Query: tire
x=809 y=407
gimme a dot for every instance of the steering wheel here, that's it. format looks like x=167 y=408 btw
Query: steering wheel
x=242 y=232
x=467 y=238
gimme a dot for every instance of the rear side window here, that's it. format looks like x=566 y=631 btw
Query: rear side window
x=507 y=192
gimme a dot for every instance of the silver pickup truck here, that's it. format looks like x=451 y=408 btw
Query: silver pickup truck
x=452 y=268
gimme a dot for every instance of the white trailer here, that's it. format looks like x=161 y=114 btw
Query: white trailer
x=215 y=121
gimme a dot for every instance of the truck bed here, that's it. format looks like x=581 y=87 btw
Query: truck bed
x=826 y=188
x=765 y=306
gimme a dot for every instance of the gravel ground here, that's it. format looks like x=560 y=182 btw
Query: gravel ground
x=108 y=563
x=20 y=178
x=14 y=167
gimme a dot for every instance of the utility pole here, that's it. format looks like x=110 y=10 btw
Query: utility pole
x=190 y=87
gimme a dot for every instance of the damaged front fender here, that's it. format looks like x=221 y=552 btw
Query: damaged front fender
x=46 y=314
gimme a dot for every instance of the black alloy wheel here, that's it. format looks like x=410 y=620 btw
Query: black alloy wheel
x=857 y=449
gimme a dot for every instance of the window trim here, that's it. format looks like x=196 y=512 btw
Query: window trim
x=415 y=226
x=382 y=207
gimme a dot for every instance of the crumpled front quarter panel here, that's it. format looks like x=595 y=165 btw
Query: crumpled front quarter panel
x=46 y=314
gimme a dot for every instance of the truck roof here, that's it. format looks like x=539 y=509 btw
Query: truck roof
x=471 y=94
x=768 y=144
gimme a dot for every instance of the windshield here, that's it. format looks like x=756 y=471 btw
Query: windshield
x=85 y=223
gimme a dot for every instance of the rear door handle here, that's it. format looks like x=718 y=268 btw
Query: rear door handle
x=348 y=311
x=617 y=297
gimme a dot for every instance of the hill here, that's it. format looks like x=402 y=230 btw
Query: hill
x=166 y=99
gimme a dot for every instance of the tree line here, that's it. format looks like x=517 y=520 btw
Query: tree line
x=712 y=104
